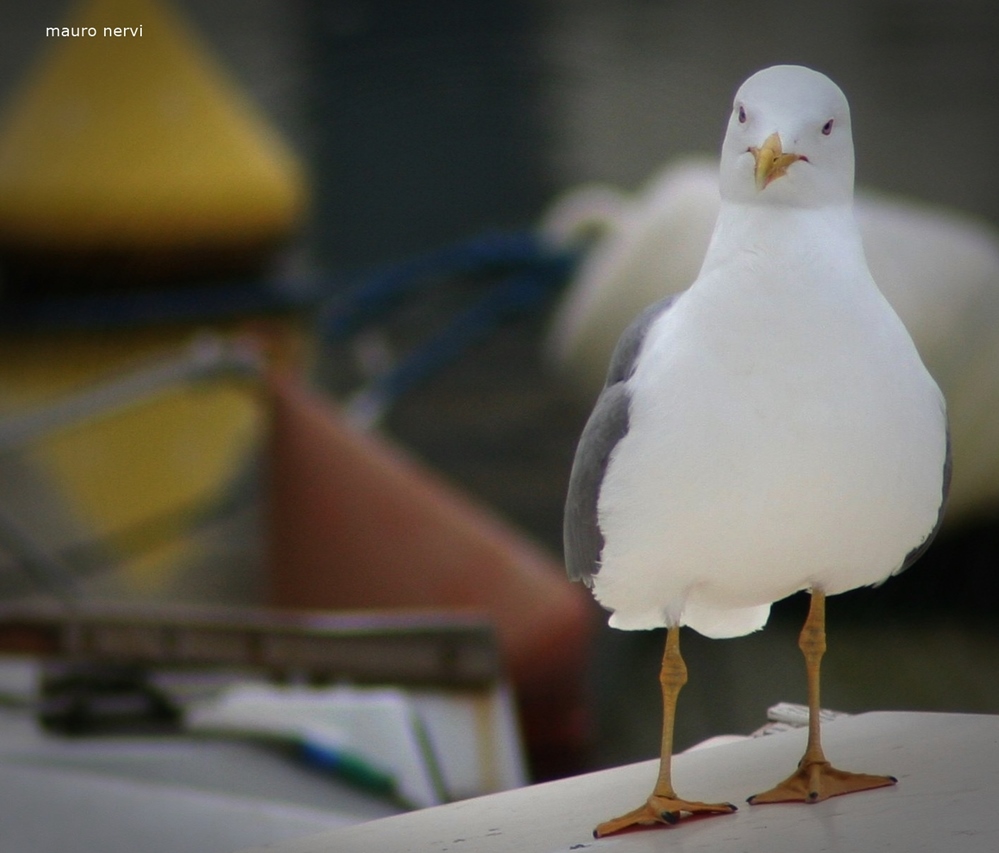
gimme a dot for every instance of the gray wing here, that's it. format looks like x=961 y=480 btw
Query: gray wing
x=607 y=425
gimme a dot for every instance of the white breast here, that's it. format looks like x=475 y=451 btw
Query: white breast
x=783 y=434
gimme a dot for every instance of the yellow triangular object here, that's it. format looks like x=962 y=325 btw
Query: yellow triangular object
x=139 y=140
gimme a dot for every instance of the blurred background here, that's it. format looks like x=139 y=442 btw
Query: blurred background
x=423 y=125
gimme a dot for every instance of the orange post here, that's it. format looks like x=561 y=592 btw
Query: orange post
x=356 y=523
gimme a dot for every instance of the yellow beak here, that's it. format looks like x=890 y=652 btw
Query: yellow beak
x=771 y=161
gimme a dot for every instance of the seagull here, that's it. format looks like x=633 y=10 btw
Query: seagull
x=768 y=430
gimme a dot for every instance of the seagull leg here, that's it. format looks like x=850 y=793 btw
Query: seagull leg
x=663 y=806
x=816 y=779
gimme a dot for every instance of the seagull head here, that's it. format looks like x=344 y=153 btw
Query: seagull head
x=788 y=141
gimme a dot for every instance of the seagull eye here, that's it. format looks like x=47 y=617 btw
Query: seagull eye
x=742 y=115
x=827 y=128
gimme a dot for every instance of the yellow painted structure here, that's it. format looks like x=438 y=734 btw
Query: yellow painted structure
x=140 y=142
x=134 y=141
x=146 y=463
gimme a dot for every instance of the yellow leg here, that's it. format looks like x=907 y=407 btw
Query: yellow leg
x=816 y=779
x=663 y=807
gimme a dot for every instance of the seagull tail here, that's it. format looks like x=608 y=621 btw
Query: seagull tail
x=722 y=622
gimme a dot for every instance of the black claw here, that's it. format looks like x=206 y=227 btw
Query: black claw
x=670 y=817
x=813 y=796
x=595 y=834
x=750 y=799
x=894 y=779
x=733 y=806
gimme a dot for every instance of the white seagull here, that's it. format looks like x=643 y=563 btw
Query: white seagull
x=770 y=429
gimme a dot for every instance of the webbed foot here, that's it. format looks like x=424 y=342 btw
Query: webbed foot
x=660 y=810
x=814 y=781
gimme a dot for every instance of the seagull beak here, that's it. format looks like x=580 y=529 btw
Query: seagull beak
x=771 y=161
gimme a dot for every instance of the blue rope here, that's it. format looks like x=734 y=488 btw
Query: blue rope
x=111 y=311
x=512 y=297
x=524 y=272
x=518 y=270
x=378 y=292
